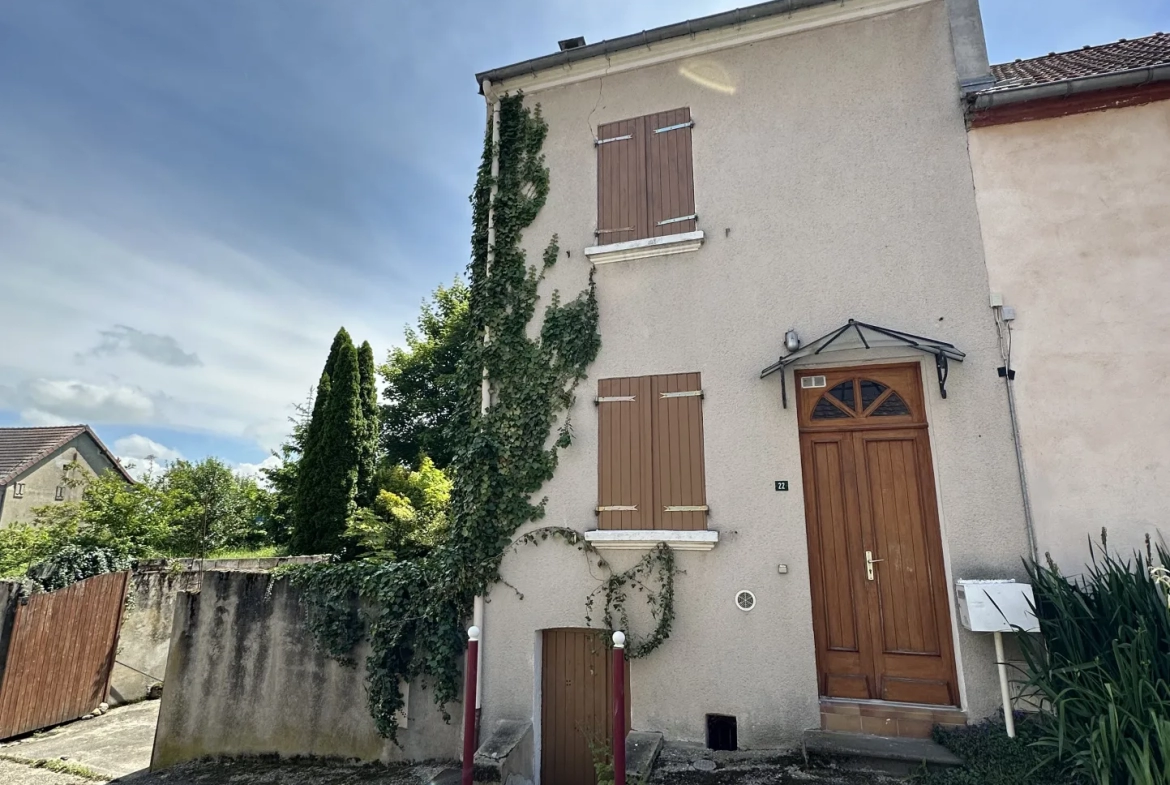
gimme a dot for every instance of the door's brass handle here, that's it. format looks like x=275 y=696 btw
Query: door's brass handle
x=869 y=562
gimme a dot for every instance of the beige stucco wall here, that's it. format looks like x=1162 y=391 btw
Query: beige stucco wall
x=833 y=183
x=1075 y=224
x=42 y=481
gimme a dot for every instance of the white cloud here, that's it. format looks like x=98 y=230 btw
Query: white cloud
x=38 y=418
x=74 y=399
x=139 y=447
x=252 y=470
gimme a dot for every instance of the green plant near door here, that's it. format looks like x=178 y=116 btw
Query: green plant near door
x=1101 y=666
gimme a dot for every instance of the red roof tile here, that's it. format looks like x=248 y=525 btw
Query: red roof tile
x=1090 y=61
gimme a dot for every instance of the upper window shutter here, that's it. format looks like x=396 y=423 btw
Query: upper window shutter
x=679 y=481
x=621 y=181
x=669 y=173
x=625 y=483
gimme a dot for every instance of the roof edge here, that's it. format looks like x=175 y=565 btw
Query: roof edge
x=992 y=97
x=6 y=479
x=701 y=24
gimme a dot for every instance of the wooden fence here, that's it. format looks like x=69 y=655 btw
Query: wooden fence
x=60 y=652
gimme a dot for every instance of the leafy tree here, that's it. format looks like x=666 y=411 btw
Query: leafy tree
x=327 y=480
x=282 y=478
x=421 y=390
x=368 y=445
x=409 y=514
x=130 y=520
x=211 y=508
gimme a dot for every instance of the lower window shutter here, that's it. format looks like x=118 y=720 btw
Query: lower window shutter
x=625 y=487
x=677 y=424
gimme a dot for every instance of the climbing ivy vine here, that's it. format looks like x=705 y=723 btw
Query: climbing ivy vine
x=413 y=612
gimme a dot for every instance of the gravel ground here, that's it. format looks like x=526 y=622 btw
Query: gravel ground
x=273 y=772
x=676 y=766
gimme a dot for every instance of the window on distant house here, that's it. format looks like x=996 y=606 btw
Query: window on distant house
x=650 y=453
x=60 y=496
x=18 y=490
x=645 y=180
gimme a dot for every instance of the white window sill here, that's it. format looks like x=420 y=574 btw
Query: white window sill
x=645 y=249
x=645 y=539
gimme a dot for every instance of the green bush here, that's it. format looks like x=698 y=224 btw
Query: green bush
x=991 y=758
x=1101 y=666
x=74 y=563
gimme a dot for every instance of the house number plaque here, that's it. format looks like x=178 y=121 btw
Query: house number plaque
x=781 y=485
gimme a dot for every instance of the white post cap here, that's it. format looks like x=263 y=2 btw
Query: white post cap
x=473 y=633
x=619 y=640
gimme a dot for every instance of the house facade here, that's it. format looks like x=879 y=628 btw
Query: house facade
x=33 y=467
x=1071 y=160
x=796 y=388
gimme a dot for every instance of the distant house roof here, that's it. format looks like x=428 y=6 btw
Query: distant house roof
x=1123 y=55
x=23 y=448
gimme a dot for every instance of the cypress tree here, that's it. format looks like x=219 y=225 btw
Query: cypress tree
x=368 y=448
x=327 y=484
x=310 y=475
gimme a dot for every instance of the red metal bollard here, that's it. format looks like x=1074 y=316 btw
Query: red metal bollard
x=619 y=708
x=472 y=672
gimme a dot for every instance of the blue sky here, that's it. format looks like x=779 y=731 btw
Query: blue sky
x=195 y=194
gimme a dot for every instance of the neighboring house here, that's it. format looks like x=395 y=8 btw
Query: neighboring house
x=32 y=467
x=1071 y=159
x=787 y=166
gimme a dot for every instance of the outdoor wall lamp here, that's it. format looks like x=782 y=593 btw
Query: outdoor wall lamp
x=791 y=341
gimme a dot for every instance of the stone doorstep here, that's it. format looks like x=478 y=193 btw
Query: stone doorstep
x=879 y=718
x=881 y=753
x=642 y=748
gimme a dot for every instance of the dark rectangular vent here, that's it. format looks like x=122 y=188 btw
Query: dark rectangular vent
x=721 y=733
x=571 y=43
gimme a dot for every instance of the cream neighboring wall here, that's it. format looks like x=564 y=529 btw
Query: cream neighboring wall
x=833 y=183
x=1076 y=226
x=40 y=485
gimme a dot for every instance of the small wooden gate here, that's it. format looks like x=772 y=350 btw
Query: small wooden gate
x=60 y=654
x=576 y=704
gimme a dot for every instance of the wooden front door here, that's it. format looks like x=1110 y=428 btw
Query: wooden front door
x=881 y=614
x=576 y=715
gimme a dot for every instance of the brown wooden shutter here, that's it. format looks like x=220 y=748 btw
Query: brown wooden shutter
x=677 y=425
x=624 y=463
x=670 y=189
x=621 y=181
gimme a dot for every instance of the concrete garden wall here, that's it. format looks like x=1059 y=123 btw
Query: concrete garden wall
x=145 y=636
x=245 y=677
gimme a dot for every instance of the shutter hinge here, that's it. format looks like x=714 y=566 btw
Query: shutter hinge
x=684 y=394
x=680 y=219
x=675 y=127
x=618 y=508
x=599 y=142
x=686 y=508
x=615 y=398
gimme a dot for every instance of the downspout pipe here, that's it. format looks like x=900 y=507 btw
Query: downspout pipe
x=1068 y=87
x=485 y=390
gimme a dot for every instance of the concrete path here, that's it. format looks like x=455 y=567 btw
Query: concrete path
x=20 y=774
x=115 y=744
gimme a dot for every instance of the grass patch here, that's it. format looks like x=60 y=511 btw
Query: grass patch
x=991 y=758
x=263 y=552
x=59 y=767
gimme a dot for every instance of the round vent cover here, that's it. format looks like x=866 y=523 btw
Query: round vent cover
x=745 y=600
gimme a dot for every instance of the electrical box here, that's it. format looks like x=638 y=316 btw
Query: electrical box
x=995 y=606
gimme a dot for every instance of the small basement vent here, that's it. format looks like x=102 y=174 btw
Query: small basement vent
x=721 y=733
x=811 y=382
x=745 y=601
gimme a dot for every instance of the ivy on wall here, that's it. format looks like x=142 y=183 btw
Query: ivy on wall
x=413 y=612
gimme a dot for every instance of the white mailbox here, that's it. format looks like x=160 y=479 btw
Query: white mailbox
x=995 y=606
